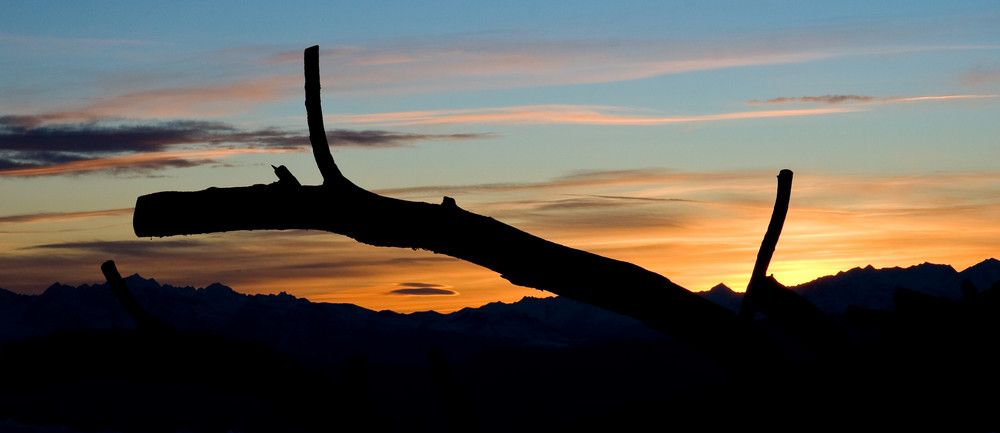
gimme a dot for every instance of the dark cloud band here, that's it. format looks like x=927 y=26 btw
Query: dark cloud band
x=39 y=141
x=424 y=292
x=825 y=99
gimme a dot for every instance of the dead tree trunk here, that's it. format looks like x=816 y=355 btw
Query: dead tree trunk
x=341 y=207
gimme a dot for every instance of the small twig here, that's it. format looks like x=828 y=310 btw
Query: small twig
x=285 y=177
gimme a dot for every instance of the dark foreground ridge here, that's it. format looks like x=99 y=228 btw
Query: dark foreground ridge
x=72 y=357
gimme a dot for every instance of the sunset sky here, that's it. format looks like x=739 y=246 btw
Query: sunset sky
x=650 y=132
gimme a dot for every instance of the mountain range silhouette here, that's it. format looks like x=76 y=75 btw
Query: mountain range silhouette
x=320 y=333
x=532 y=365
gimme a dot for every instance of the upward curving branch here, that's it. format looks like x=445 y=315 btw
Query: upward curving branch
x=766 y=251
x=314 y=118
x=338 y=206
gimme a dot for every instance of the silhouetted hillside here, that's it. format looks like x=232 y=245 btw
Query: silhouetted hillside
x=321 y=333
x=71 y=357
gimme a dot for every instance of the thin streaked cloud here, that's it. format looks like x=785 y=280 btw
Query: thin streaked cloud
x=939 y=98
x=198 y=100
x=697 y=228
x=136 y=163
x=562 y=114
x=839 y=99
x=60 y=216
x=433 y=66
x=36 y=145
x=825 y=99
x=423 y=289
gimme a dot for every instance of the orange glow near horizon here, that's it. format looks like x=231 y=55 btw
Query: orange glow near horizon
x=702 y=230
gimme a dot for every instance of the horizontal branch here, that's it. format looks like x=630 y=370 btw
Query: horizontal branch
x=519 y=257
x=339 y=206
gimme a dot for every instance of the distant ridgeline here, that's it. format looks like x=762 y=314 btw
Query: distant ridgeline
x=320 y=333
x=874 y=288
x=226 y=361
x=323 y=333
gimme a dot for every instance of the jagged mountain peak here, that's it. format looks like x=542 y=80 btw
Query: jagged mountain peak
x=720 y=288
x=983 y=274
x=872 y=287
x=722 y=295
x=300 y=326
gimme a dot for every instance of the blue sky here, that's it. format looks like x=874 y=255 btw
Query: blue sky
x=562 y=118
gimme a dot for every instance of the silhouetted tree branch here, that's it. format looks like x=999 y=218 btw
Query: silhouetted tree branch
x=790 y=311
x=341 y=207
x=143 y=320
x=314 y=117
x=766 y=251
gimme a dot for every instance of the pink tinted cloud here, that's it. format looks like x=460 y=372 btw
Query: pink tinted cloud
x=195 y=101
x=561 y=114
x=939 y=98
x=431 y=66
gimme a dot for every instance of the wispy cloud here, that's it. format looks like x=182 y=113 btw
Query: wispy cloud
x=939 y=98
x=825 y=99
x=37 y=145
x=562 y=114
x=445 y=66
x=839 y=99
x=588 y=180
x=376 y=138
x=423 y=289
x=61 y=216
x=429 y=66
x=697 y=228
x=198 y=100
x=28 y=134
x=135 y=163
x=700 y=229
x=449 y=66
x=986 y=74
x=126 y=248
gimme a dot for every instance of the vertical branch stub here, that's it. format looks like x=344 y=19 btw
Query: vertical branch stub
x=314 y=117
x=770 y=241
